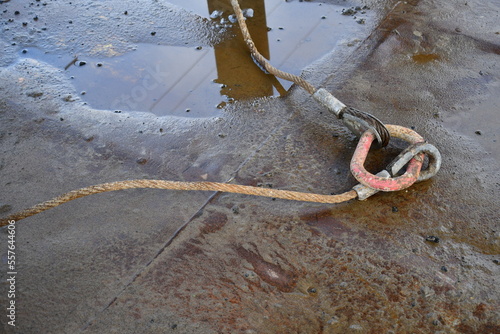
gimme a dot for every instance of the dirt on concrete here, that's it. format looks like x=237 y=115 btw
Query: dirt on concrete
x=422 y=260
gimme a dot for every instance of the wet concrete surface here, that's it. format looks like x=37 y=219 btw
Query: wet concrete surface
x=108 y=263
x=168 y=78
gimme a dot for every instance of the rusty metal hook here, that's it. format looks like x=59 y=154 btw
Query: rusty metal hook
x=413 y=156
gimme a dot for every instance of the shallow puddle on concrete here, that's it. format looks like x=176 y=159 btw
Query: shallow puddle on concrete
x=200 y=81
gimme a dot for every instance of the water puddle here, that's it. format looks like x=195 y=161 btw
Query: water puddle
x=200 y=81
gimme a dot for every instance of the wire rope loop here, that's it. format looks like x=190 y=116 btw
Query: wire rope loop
x=414 y=159
x=407 y=154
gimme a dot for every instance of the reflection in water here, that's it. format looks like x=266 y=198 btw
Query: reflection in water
x=240 y=77
x=237 y=75
x=198 y=81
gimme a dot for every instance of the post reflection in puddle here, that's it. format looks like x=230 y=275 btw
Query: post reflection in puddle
x=190 y=81
x=236 y=72
x=237 y=76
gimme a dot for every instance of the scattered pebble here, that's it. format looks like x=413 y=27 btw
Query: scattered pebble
x=444 y=269
x=248 y=12
x=395 y=209
x=349 y=11
x=216 y=14
x=141 y=161
x=82 y=63
x=153 y=33
x=478 y=132
x=432 y=238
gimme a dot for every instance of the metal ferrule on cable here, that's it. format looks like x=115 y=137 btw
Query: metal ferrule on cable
x=356 y=120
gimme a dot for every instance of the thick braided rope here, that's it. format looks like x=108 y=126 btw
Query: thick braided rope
x=175 y=185
x=261 y=59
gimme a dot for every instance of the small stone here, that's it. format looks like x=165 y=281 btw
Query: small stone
x=478 y=132
x=17 y=12
x=444 y=269
x=432 y=238
x=82 y=63
x=216 y=14
x=395 y=209
x=312 y=290
x=141 y=161
x=153 y=33
x=248 y=12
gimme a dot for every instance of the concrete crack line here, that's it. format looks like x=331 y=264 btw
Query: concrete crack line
x=181 y=228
